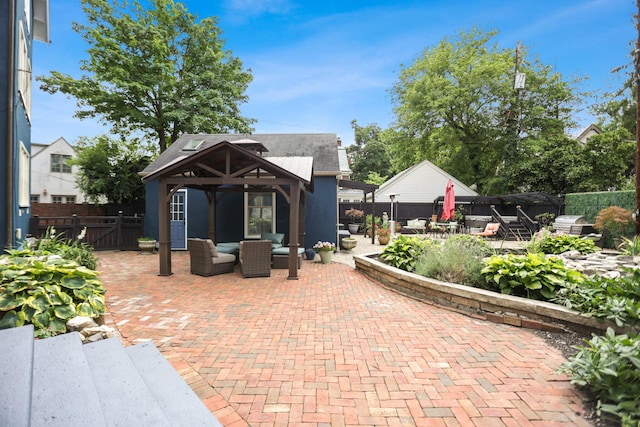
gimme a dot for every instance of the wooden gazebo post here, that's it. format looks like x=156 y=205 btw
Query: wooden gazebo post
x=164 y=206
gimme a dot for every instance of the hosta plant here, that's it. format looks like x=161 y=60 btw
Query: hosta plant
x=46 y=291
x=532 y=275
x=404 y=251
x=557 y=244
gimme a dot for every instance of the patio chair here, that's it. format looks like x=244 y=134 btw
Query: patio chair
x=255 y=258
x=491 y=230
x=206 y=260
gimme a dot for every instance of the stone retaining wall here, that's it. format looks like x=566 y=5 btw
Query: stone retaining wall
x=481 y=303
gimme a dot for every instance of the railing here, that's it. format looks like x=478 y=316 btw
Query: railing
x=101 y=232
x=503 y=231
x=524 y=219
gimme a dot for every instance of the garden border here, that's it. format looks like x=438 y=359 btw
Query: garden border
x=484 y=304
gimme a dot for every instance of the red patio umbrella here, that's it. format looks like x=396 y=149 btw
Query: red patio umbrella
x=449 y=206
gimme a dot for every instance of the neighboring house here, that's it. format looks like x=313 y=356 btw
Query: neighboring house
x=346 y=195
x=220 y=186
x=21 y=22
x=421 y=183
x=52 y=177
x=585 y=134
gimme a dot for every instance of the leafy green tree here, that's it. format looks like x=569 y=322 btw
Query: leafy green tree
x=369 y=153
x=108 y=169
x=456 y=106
x=158 y=71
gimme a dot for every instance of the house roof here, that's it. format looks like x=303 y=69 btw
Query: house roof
x=322 y=147
x=421 y=183
x=586 y=132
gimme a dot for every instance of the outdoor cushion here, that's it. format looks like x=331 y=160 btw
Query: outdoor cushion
x=212 y=248
x=285 y=251
x=276 y=238
x=228 y=247
x=223 y=258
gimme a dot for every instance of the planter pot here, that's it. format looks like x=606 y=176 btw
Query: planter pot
x=349 y=243
x=353 y=228
x=326 y=257
x=383 y=240
x=147 y=245
x=310 y=254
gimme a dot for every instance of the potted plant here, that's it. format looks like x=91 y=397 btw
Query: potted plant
x=614 y=223
x=384 y=234
x=325 y=249
x=368 y=226
x=146 y=244
x=310 y=254
x=355 y=214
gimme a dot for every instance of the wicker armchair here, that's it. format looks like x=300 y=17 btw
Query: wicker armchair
x=255 y=258
x=206 y=261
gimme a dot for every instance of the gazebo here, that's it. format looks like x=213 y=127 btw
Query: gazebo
x=236 y=166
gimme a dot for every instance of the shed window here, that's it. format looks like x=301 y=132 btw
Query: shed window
x=259 y=214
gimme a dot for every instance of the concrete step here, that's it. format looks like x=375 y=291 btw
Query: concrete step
x=16 y=361
x=180 y=404
x=64 y=393
x=124 y=396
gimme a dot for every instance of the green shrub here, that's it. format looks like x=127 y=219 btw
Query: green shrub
x=604 y=298
x=630 y=247
x=46 y=291
x=532 y=275
x=74 y=250
x=556 y=244
x=610 y=366
x=456 y=260
x=403 y=251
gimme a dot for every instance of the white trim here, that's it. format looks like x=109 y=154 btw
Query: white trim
x=246 y=214
x=24 y=177
x=185 y=193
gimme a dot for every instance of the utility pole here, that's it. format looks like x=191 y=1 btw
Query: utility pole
x=636 y=63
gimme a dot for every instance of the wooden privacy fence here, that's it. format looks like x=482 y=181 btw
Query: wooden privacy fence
x=102 y=232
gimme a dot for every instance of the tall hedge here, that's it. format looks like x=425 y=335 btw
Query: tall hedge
x=589 y=204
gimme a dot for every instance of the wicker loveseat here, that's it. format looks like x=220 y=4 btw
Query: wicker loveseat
x=255 y=258
x=206 y=261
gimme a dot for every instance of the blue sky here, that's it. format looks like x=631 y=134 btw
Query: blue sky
x=317 y=65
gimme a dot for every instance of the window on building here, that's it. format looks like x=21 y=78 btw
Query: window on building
x=35 y=198
x=59 y=163
x=63 y=199
x=23 y=177
x=259 y=214
x=24 y=73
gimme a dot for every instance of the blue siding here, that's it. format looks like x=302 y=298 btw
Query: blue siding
x=320 y=222
x=20 y=127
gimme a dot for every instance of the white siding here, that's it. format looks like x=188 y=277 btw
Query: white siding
x=421 y=183
x=56 y=183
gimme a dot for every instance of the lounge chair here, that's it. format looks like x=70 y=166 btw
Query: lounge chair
x=206 y=261
x=255 y=258
x=491 y=230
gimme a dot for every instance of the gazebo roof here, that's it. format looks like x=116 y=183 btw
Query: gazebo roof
x=224 y=162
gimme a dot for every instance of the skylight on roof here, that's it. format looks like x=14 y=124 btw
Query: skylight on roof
x=192 y=145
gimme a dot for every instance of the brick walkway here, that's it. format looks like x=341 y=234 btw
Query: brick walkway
x=334 y=349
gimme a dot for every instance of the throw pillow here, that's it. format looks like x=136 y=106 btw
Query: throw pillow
x=212 y=248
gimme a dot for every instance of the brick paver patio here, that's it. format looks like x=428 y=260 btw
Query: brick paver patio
x=334 y=349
